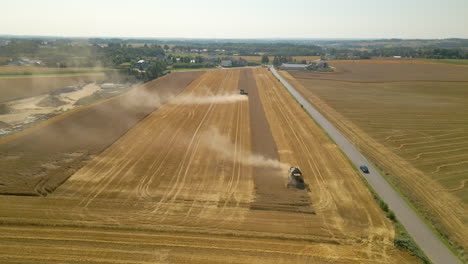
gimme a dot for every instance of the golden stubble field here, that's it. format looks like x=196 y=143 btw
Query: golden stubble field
x=412 y=121
x=179 y=187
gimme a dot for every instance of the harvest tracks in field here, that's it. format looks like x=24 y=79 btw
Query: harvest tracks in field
x=410 y=120
x=270 y=191
x=36 y=161
x=177 y=187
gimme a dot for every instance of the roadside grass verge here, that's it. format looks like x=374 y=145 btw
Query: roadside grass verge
x=442 y=237
x=403 y=239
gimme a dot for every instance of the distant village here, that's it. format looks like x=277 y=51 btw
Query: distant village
x=174 y=57
x=225 y=62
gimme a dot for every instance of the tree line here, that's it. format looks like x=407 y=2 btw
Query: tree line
x=89 y=53
x=408 y=52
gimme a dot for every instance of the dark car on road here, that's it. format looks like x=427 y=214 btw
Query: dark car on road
x=364 y=168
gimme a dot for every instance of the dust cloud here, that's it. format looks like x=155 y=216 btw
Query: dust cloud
x=145 y=98
x=214 y=140
x=209 y=99
x=141 y=97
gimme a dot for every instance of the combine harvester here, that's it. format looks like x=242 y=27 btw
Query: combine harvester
x=242 y=92
x=296 y=180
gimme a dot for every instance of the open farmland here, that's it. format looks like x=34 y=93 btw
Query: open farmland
x=412 y=121
x=378 y=71
x=187 y=184
x=463 y=62
x=4 y=70
x=389 y=60
x=36 y=161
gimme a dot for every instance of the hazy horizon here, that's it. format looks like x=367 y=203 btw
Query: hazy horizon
x=207 y=38
x=209 y=19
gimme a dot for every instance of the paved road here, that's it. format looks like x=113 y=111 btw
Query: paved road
x=424 y=237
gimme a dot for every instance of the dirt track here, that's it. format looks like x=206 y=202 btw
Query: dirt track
x=179 y=185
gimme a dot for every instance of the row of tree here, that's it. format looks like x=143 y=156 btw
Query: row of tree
x=152 y=69
x=432 y=53
x=67 y=53
x=278 y=60
x=248 y=49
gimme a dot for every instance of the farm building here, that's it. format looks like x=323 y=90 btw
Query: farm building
x=291 y=66
x=25 y=62
x=226 y=63
x=316 y=65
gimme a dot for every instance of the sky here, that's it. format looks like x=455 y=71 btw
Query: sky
x=236 y=19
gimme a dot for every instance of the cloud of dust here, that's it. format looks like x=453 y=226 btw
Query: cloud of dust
x=141 y=97
x=209 y=99
x=214 y=140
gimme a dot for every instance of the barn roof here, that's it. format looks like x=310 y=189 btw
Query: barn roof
x=293 y=65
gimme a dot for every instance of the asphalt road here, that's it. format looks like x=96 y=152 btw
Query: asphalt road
x=421 y=233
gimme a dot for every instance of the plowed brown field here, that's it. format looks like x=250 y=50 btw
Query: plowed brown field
x=181 y=187
x=33 y=69
x=19 y=87
x=36 y=161
x=412 y=121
